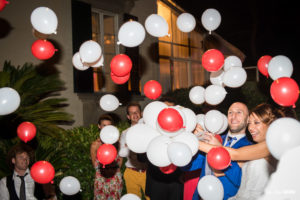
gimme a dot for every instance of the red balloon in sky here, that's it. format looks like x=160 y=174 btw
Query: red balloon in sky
x=43 y=49
x=3 y=4
x=26 y=131
x=42 y=172
x=169 y=119
x=212 y=60
x=168 y=169
x=106 y=154
x=262 y=64
x=218 y=158
x=119 y=79
x=152 y=89
x=285 y=91
x=120 y=65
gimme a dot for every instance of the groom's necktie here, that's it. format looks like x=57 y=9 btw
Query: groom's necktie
x=229 y=141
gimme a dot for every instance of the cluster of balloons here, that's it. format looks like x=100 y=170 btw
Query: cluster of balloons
x=42 y=172
x=89 y=55
x=284 y=90
x=69 y=185
x=132 y=33
x=152 y=89
x=168 y=144
x=213 y=94
x=44 y=21
x=26 y=131
x=3 y=4
x=120 y=67
x=109 y=102
x=9 y=100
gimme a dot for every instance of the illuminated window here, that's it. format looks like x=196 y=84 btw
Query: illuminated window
x=179 y=54
x=104 y=30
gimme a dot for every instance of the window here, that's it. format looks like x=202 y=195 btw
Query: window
x=179 y=54
x=104 y=30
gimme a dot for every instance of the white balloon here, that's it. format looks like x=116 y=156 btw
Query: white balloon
x=189 y=139
x=157 y=151
x=214 y=94
x=210 y=188
x=280 y=66
x=216 y=78
x=156 y=25
x=196 y=95
x=282 y=135
x=213 y=121
x=44 y=20
x=225 y=125
x=211 y=19
x=76 y=60
x=190 y=119
x=109 y=102
x=179 y=153
x=141 y=121
x=109 y=134
x=99 y=62
x=232 y=61
x=131 y=34
x=90 y=51
x=139 y=136
x=284 y=182
x=235 y=77
x=130 y=196
x=69 y=185
x=200 y=118
x=9 y=100
x=151 y=112
x=186 y=22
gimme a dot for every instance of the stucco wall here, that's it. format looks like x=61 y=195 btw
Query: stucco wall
x=16 y=47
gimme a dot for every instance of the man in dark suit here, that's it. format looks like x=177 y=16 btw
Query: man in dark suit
x=235 y=138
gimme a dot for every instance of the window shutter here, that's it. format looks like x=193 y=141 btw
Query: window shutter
x=81 y=32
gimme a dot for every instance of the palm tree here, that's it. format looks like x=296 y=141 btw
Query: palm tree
x=38 y=88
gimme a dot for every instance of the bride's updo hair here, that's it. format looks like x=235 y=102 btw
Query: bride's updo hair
x=266 y=113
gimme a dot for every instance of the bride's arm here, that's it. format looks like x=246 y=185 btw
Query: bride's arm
x=251 y=152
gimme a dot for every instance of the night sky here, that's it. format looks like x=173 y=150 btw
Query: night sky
x=256 y=27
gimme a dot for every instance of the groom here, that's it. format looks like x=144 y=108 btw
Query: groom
x=235 y=138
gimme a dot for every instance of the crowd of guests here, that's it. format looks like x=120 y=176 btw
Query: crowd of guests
x=245 y=178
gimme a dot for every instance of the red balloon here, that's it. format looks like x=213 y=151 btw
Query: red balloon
x=169 y=119
x=43 y=49
x=119 y=79
x=120 y=65
x=26 y=131
x=212 y=60
x=168 y=169
x=3 y=4
x=152 y=89
x=219 y=138
x=263 y=63
x=42 y=172
x=106 y=154
x=285 y=91
x=218 y=158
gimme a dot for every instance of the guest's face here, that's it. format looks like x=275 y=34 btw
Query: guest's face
x=21 y=161
x=134 y=114
x=104 y=123
x=257 y=128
